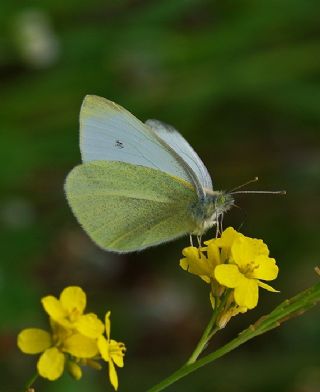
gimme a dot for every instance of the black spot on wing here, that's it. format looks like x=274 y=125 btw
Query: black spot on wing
x=119 y=144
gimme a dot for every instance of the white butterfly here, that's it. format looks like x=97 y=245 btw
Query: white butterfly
x=139 y=184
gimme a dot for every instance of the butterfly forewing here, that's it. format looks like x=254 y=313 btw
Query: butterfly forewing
x=109 y=132
x=186 y=153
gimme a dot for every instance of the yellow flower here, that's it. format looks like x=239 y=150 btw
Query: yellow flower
x=232 y=261
x=111 y=351
x=76 y=339
x=68 y=312
x=72 y=334
x=203 y=261
x=54 y=346
x=248 y=263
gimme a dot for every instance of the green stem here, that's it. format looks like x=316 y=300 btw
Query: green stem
x=30 y=382
x=210 y=330
x=203 y=340
x=288 y=309
x=213 y=332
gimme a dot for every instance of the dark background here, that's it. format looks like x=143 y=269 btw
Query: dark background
x=240 y=80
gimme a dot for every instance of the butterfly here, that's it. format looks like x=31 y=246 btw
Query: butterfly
x=140 y=184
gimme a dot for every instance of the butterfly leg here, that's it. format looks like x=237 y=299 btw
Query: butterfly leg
x=217 y=223
x=221 y=224
x=199 y=240
x=191 y=240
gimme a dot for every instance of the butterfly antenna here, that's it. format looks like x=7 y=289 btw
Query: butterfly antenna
x=235 y=190
x=264 y=192
x=245 y=184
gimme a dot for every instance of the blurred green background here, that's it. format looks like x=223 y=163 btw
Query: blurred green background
x=240 y=80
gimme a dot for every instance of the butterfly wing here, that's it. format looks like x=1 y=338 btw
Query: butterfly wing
x=109 y=132
x=179 y=144
x=124 y=207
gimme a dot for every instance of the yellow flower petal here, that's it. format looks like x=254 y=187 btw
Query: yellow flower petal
x=193 y=269
x=245 y=250
x=89 y=325
x=267 y=268
x=94 y=364
x=116 y=351
x=247 y=293
x=53 y=308
x=205 y=278
x=228 y=237
x=184 y=264
x=213 y=254
x=113 y=375
x=51 y=364
x=33 y=340
x=194 y=257
x=189 y=251
x=80 y=346
x=73 y=299
x=267 y=287
x=74 y=370
x=225 y=243
x=260 y=248
x=228 y=275
x=103 y=346
x=242 y=252
x=108 y=324
x=196 y=263
x=118 y=359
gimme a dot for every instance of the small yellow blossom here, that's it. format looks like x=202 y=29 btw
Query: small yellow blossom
x=249 y=262
x=197 y=263
x=203 y=261
x=54 y=346
x=76 y=339
x=74 y=369
x=68 y=312
x=232 y=261
x=111 y=351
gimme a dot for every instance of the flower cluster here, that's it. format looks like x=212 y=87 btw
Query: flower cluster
x=234 y=266
x=76 y=338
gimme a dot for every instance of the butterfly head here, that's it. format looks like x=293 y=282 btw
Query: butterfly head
x=223 y=202
x=207 y=210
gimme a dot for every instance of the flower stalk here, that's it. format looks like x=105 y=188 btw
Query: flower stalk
x=30 y=383
x=211 y=329
x=287 y=310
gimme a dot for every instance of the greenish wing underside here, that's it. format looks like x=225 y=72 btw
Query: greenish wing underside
x=126 y=207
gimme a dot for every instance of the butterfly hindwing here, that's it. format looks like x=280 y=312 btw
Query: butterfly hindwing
x=125 y=207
